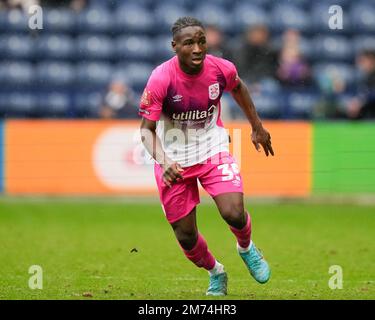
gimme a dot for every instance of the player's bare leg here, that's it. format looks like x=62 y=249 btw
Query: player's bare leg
x=195 y=249
x=232 y=210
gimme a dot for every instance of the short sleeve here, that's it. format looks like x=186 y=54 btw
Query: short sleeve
x=230 y=73
x=151 y=103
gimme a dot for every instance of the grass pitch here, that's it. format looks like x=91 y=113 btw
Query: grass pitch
x=115 y=250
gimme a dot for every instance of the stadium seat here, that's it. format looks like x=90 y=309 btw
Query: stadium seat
x=286 y=16
x=185 y=4
x=94 y=74
x=55 y=74
x=166 y=14
x=3 y=18
x=98 y=4
x=268 y=105
x=95 y=47
x=17 y=47
x=363 y=18
x=135 y=48
x=53 y=104
x=144 y=3
x=212 y=14
x=223 y=4
x=18 y=104
x=301 y=105
x=245 y=15
x=86 y=104
x=133 y=18
x=3 y=105
x=16 y=74
x=264 y=4
x=95 y=20
x=14 y=21
x=333 y=48
x=363 y=43
x=56 y=47
x=136 y=74
x=163 y=49
x=302 y=4
x=342 y=3
x=59 y=20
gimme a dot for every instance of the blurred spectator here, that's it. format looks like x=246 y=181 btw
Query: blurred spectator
x=292 y=70
x=363 y=106
x=215 y=42
x=331 y=86
x=255 y=58
x=18 y=4
x=118 y=102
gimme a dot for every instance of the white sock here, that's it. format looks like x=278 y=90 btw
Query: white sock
x=242 y=250
x=217 y=269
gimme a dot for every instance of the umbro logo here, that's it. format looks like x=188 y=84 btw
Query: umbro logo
x=237 y=183
x=177 y=98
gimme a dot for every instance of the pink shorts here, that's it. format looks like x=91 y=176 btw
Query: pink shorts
x=217 y=175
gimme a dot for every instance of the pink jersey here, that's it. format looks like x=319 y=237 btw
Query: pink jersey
x=187 y=108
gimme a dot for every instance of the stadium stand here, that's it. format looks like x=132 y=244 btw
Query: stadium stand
x=61 y=70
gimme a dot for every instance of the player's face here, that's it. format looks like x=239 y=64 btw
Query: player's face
x=190 y=47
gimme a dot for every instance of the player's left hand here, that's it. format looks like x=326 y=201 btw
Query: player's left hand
x=261 y=136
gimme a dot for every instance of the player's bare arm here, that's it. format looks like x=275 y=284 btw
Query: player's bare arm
x=171 y=169
x=259 y=136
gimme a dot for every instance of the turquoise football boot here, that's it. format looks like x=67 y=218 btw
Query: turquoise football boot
x=218 y=285
x=256 y=264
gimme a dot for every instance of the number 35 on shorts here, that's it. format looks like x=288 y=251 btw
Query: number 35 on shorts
x=229 y=171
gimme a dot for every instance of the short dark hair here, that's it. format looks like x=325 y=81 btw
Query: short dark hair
x=184 y=22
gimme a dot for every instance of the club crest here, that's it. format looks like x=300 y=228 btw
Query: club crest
x=213 y=91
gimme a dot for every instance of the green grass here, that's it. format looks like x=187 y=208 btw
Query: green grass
x=85 y=246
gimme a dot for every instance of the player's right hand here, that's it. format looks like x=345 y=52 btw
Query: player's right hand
x=172 y=173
